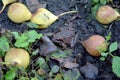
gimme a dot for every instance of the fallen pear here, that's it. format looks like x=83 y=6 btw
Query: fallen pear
x=107 y=14
x=95 y=44
x=19 y=13
x=17 y=57
x=5 y=3
x=45 y=18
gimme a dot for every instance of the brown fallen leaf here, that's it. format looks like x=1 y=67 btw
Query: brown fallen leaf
x=47 y=46
x=89 y=70
x=70 y=65
x=67 y=62
x=74 y=40
x=65 y=36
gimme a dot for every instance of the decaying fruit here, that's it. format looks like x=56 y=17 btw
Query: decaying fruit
x=93 y=44
x=19 y=13
x=44 y=18
x=18 y=57
x=106 y=14
x=5 y=3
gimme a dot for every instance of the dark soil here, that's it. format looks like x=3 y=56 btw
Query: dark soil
x=84 y=27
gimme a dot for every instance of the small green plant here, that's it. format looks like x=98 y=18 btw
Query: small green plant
x=15 y=72
x=115 y=59
x=104 y=53
x=4 y=45
x=113 y=47
x=11 y=73
x=25 y=39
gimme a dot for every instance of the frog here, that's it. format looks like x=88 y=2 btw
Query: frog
x=65 y=36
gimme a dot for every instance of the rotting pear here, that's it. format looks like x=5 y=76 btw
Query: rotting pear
x=19 y=13
x=5 y=3
x=45 y=18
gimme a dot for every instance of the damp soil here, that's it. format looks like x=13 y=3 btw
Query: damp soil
x=83 y=26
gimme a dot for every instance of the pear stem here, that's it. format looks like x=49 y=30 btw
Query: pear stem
x=4 y=63
x=68 y=12
x=118 y=16
x=2 y=9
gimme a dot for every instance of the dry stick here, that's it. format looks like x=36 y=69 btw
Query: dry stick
x=68 y=12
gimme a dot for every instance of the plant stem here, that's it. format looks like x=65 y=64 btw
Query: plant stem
x=111 y=54
x=68 y=12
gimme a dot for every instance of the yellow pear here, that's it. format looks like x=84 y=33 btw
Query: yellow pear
x=18 y=57
x=19 y=13
x=5 y=3
x=43 y=18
